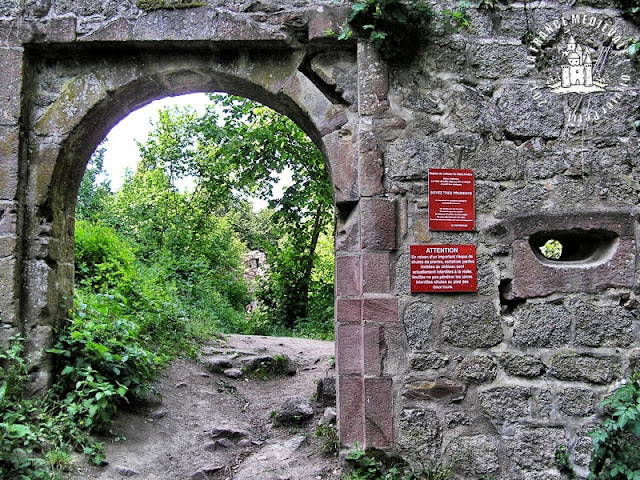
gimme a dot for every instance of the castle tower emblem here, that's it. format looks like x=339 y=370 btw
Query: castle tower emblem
x=577 y=71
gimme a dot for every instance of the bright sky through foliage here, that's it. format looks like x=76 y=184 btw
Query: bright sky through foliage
x=122 y=150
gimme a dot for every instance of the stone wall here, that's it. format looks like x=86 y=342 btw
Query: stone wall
x=499 y=380
x=495 y=380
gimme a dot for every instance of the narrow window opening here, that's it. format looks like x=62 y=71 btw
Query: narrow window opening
x=573 y=246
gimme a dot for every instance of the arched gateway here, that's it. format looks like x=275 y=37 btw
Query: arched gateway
x=495 y=375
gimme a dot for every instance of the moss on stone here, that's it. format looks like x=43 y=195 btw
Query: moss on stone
x=151 y=5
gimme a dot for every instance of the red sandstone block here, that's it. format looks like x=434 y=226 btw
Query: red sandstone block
x=378 y=223
x=378 y=412
x=373 y=348
x=380 y=309
x=343 y=163
x=376 y=276
x=348 y=279
x=371 y=166
x=348 y=310
x=373 y=80
x=351 y=410
x=349 y=349
x=347 y=228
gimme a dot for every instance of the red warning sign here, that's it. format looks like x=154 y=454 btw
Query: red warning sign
x=451 y=199
x=443 y=268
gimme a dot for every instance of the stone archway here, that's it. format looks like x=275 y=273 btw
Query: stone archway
x=71 y=94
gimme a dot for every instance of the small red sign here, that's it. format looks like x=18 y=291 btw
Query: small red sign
x=443 y=268
x=452 y=199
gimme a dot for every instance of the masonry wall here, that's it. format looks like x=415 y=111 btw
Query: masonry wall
x=495 y=380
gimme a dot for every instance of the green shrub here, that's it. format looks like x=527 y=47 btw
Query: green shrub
x=104 y=260
x=616 y=443
x=104 y=358
x=19 y=434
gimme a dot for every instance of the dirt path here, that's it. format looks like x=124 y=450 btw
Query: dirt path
x=209 y=426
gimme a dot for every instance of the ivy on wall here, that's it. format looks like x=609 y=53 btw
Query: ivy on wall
x=396 y=28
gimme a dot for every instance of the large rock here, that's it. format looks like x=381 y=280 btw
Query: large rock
x=266 y=366
x=295 y=410
x=326 y=391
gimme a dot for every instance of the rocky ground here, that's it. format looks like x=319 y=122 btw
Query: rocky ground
x=218 y=421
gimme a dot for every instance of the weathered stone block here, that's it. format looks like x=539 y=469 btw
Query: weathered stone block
x=533 y=448
x=497 y=61
x=610 y=326
x=11 y=8
x=371 y=166
x=8 y=244
x=348 y=228
x=11 y=81
x=373 y=80
x=506 y=404
x=8 y=218
x=348 y=311
x=474 y=455
x=531 y=197
x=441 y=389
x=9 y=138
x=577 y=402
x=539 y=162
x=348 y=282
x=585 y=368
x=428 y=361
x=472 y=325
x=376 y=273
x=325 y=19
x=542 y=325
x=339 y=70
x=410 y=158
x=583 y=448
x=522 y=116
x=378 y=223
x=343 y=166
x=420 y=433
x=349 y=353
x=378 y=412
x=8 y=295
x=373 y=347
x=62 y=29
x=6 y=332
x=472 y=112
x=527 y=366
x=477 y=369
x=79 y=96
x=535 y=278
x=380 y=309
x=417 y=319
x=326 y=116
x=351 y=410
x=483 y=161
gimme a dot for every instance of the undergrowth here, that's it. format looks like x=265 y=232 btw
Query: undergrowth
x=375 y=465
x=616 y=443
x=103 y=363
